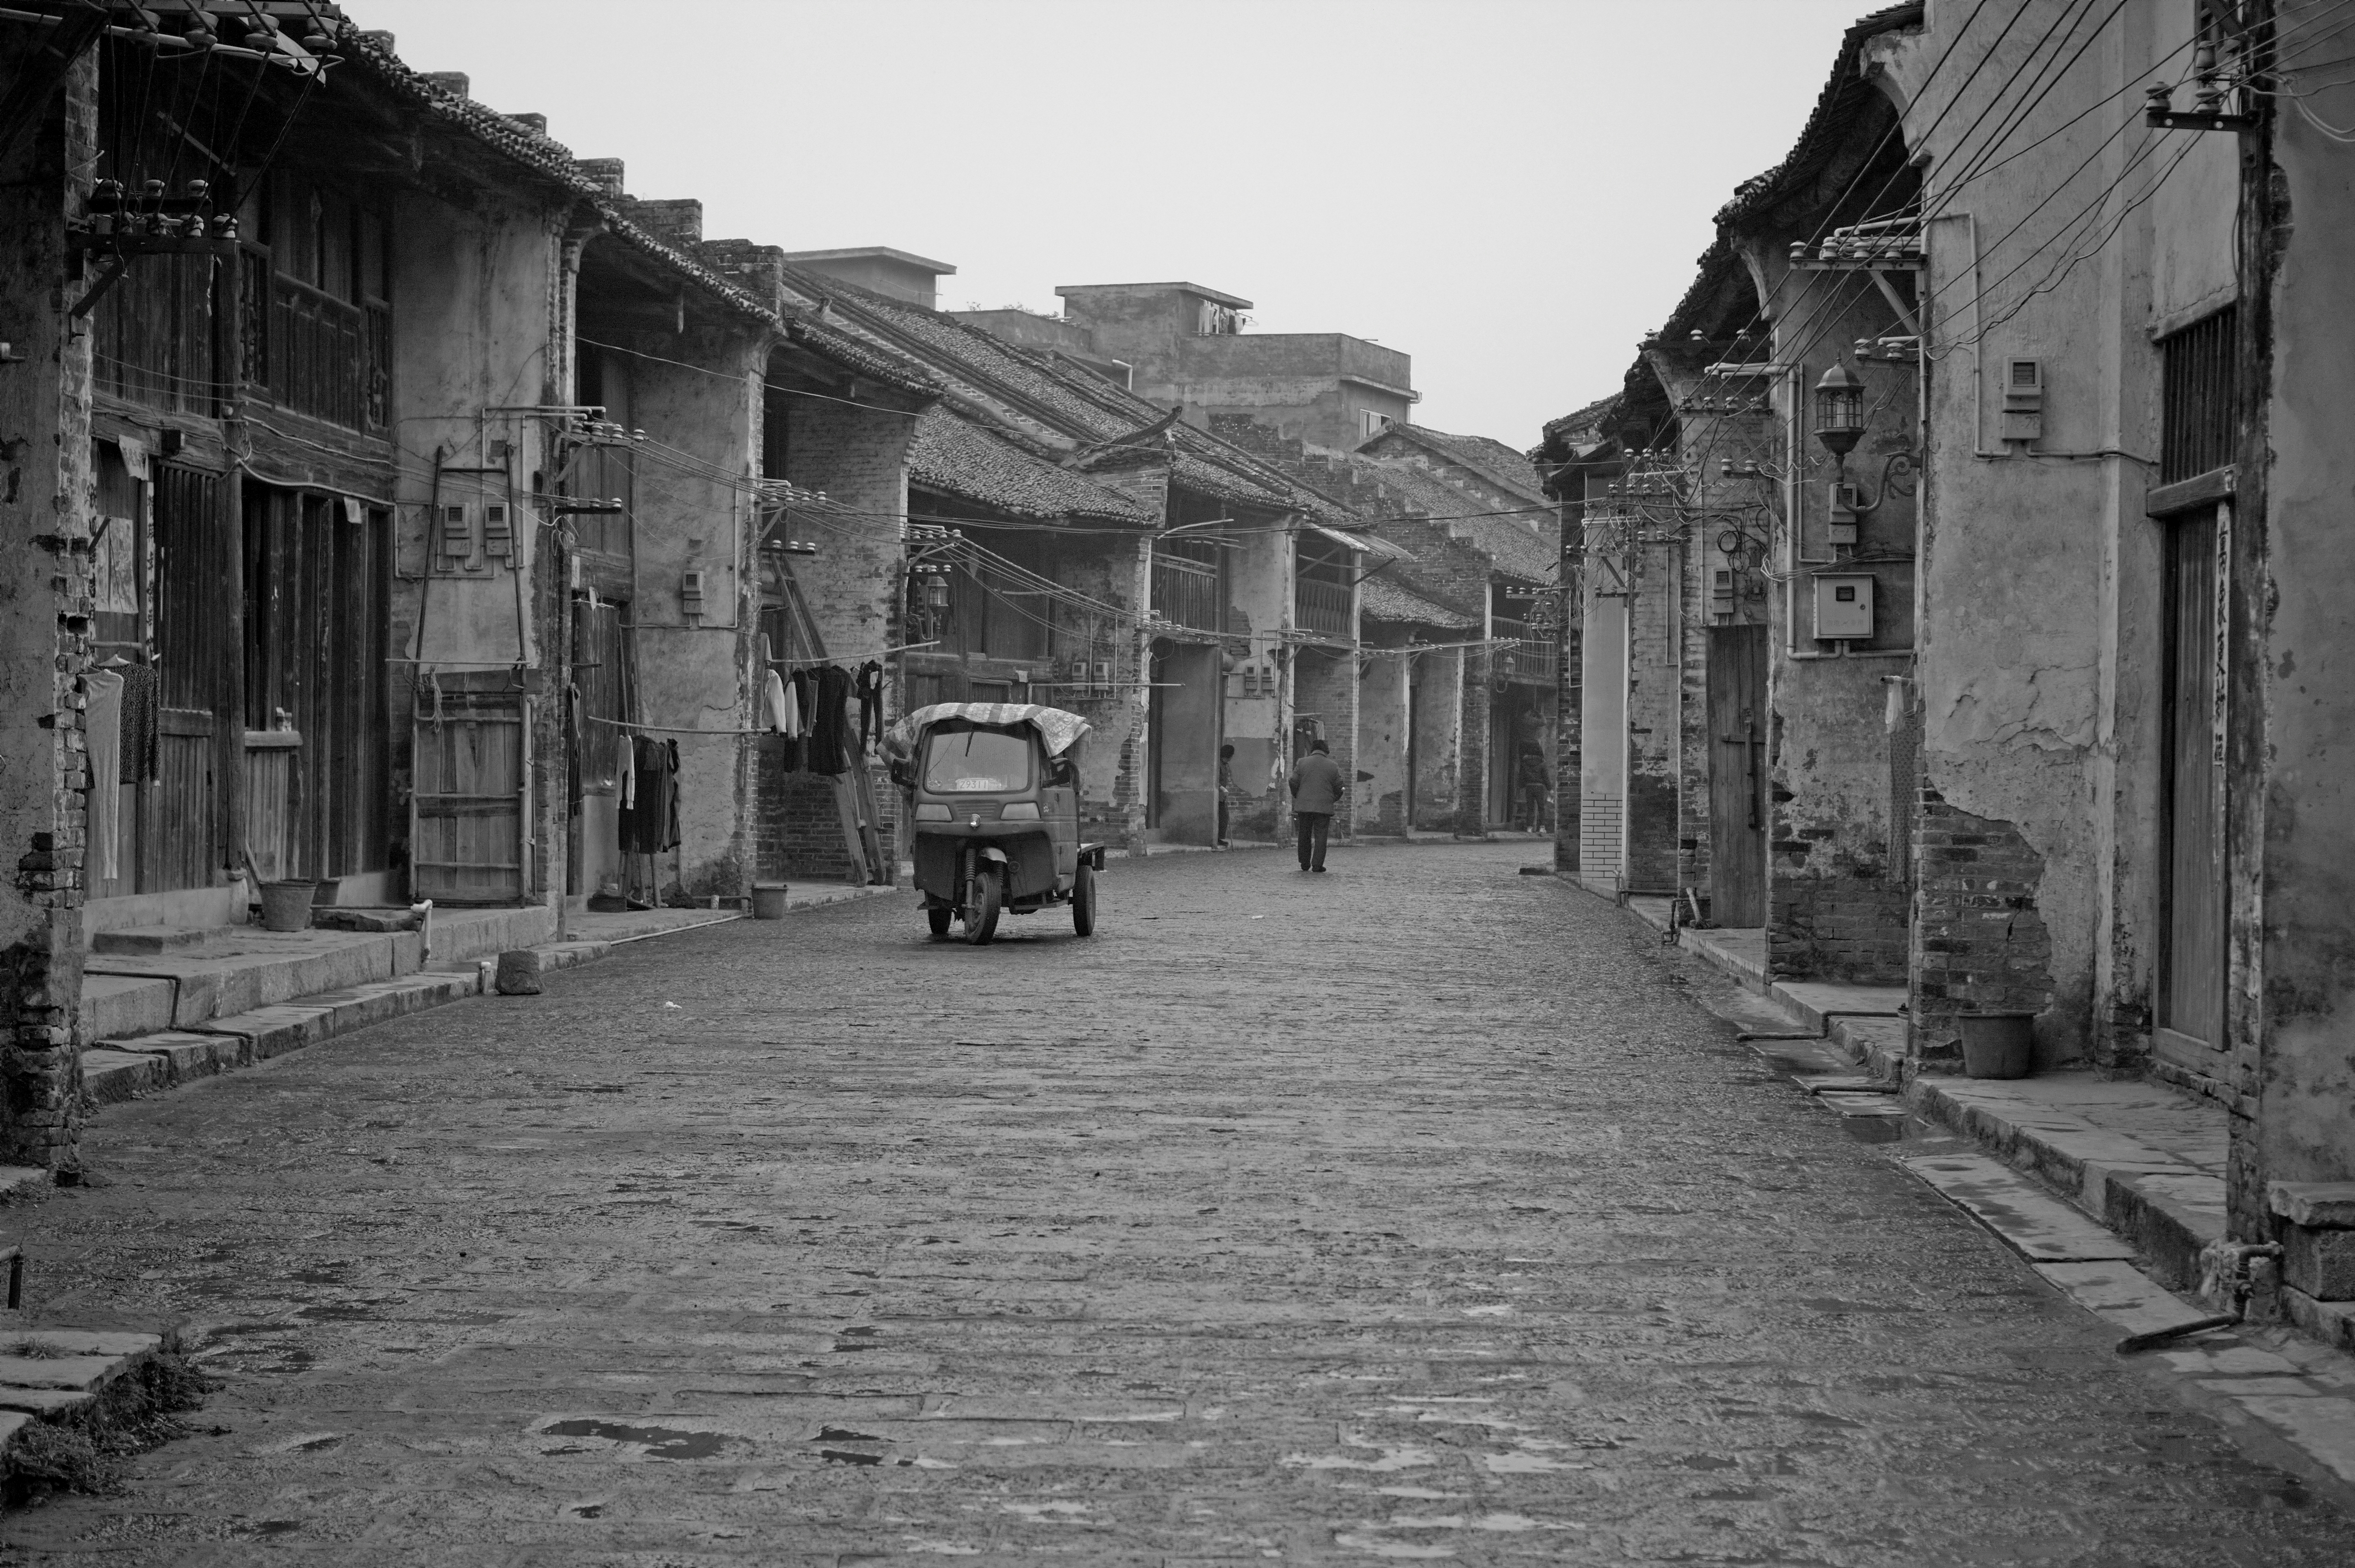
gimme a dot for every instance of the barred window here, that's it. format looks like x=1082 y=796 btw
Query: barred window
x=2200 y=390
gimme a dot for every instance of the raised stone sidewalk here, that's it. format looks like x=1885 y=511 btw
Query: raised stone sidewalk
x=2108 y=1187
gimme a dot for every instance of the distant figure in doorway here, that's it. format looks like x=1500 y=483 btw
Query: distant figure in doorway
x=1534 y=789
x=1315 y=795
x=1226 y=788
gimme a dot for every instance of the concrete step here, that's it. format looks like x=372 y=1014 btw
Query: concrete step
x=118 y=1069
x=126 y=1066
x=2067 y=1130
x=2086 y=1260
x=56 y=1374
x=149 y=940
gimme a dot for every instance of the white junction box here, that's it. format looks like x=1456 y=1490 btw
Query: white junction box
x=1843 y=608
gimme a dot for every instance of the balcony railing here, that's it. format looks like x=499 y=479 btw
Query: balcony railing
x=313 y=353
x=1323 y=607
x=1186 y=593
x=1536 y=657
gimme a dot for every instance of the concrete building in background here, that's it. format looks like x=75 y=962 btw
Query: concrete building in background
x=1184 y=346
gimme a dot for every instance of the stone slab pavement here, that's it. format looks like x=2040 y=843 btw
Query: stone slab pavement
x=1411 y=1211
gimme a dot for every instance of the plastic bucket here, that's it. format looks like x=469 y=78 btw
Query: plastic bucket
x=286 y=906
x=1997 y=1045
x=768 y=900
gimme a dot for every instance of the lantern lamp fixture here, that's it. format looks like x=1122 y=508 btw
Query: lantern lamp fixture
x=1839 y=412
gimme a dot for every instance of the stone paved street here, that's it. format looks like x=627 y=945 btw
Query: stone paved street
x=1412 y=1211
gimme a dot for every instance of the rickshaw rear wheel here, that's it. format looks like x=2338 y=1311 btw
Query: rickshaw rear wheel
x=1083 y=899
x=981 y=915
x=938 y=918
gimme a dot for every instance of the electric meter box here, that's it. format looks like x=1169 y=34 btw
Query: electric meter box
x=1843 y=608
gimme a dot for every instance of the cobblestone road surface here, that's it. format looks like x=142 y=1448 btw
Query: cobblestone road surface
x=1405 y=1212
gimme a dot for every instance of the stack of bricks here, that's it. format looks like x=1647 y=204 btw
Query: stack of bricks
x=1979 y=943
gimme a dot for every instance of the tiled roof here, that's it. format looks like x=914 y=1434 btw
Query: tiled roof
x=1578 y=422
x=548 y=159
x=1521 y=546
x=1843 y=96
x=960 y=458
x=1085 y=407
x=527 y=148
x=1492 y=460
x=1380 y=599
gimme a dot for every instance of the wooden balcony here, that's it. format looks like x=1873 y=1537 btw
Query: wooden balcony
x=1187 y=592
x=1324 y=608
x=307 y=351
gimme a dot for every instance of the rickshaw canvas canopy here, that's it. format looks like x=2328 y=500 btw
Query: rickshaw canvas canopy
x=1060 y=731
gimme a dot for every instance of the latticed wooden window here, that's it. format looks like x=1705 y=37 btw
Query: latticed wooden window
x=2200 y=409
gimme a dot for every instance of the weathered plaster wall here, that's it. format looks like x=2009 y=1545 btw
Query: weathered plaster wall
x=2298 y=666
x=697 y=394
x=484 y=323
x=1438 y=682
x=2039 y=663
x=1381 y=748
x=47 y=495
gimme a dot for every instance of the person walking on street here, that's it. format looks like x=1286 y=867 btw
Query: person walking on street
x=1226 y=788
x=1315 y=795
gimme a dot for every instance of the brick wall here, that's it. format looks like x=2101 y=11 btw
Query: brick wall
x=1655 y=718
x=1326 y=685
x=1979 y=943
x=853 y=590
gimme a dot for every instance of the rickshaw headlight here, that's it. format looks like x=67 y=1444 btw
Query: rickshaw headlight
x=931 y=813
x=1020 y=811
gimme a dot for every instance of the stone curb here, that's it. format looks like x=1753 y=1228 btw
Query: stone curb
x=115 y=1071
x=70 y=1371
x=2134 y=1190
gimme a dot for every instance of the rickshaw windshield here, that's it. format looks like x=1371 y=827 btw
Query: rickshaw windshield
x=971 y=762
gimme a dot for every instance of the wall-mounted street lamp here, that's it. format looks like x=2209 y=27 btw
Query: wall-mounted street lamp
x=1839 y=425
x=1839 y=412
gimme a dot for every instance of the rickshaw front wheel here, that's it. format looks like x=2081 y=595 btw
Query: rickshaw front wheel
x=981 y=915
x=1083 y=899
x=938 y=918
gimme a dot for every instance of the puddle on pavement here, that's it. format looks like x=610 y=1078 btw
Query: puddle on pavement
x=657 y=1442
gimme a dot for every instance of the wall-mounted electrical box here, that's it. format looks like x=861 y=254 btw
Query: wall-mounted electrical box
x=498 y=536
x=690 y=592
x=453 y=535
x=1843 y=608
x=1842 y=517
x=1721 y=592
x=2023 y=400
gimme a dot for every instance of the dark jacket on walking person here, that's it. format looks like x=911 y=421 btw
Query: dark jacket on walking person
x=1316 y=788
x=1316 y=783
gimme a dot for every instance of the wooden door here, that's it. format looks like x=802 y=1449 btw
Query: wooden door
x=181 y=842
x=467 y=830
x=1737 y=775
x=2191 y=953
x=317 y=578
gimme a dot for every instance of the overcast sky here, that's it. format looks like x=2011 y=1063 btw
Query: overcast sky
x=1509 y=190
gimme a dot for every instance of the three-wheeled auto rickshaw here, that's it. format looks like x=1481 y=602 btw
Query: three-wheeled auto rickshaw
x=994 y=792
